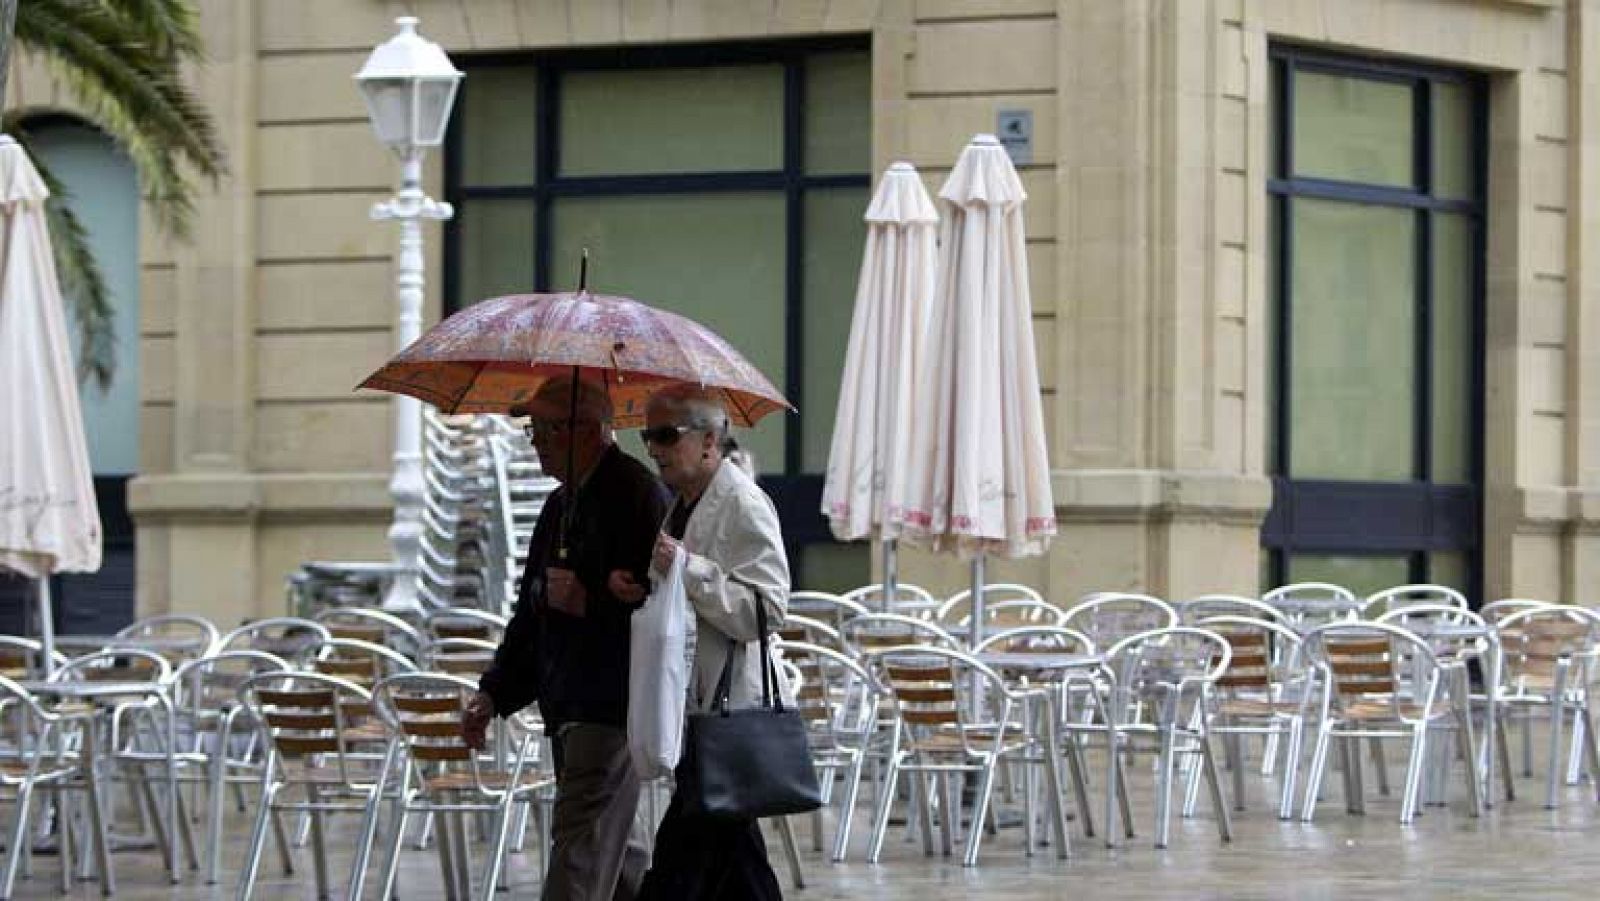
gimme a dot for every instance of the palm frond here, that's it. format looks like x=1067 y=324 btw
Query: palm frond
x=83 y=285
x=135 y=93
x=170 y=26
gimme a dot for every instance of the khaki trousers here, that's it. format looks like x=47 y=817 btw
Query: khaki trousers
x=601 y=848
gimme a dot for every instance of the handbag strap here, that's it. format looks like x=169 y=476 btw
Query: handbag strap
x=769 y=676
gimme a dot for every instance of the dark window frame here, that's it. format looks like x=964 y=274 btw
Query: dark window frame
x=1379 y=518
x=796 y=493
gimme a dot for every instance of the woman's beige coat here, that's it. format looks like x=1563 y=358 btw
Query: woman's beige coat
x=735 y=560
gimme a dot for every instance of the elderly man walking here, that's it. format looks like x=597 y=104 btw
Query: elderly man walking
x=567 y=644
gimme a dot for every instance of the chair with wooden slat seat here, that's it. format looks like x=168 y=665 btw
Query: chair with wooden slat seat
x=1306 y=605
x=863 y=634
x=465 y=657
x=1006 y=605
x=211 y=720
x=313 y=766
x=952 y=714
x=1402 y=596
x=446 y=779
x=290 y=638
x=373 y=627
x=1365 y=694
x=1492 y=613
x=1265 y=691
x=1162 y=681
x=1108 y=617
x=909 y=600
x=1548 y=659
x=812 y=631
x=22 y=659
x=1192 y=610
x=41 y=750
x=839 y=701
x=365 y=664
x=193 y=636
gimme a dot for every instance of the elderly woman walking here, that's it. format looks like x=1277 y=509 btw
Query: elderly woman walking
x=735 y=561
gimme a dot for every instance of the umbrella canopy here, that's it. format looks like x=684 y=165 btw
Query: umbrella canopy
x=872 y=428
x=494 y=355
x=49 y=521
x=977 y=475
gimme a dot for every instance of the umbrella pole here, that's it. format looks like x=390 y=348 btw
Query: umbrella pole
x=891 y=573
x=47 y=626
x=975 y=602
x=570 y=502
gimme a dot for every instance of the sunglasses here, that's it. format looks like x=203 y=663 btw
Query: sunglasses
x=663 y=435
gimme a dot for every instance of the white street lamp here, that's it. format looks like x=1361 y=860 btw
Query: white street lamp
x=409 y=85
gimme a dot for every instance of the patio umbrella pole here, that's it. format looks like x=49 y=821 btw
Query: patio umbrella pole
x=47 y=626
x=891 y=573
x=975 y=604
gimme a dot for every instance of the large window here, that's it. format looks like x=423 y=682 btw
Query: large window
x=1377 y=222
x=725 y=183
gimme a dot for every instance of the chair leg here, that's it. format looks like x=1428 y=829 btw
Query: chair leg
x=1191 y=790
x=258 y=838
x=980 y=810
x=1319 y=763
x=1375 y=748
x=1164 y=764
x=1575 y=752
x=791 y=850
x=217 y=800
x=1236 y=749
x=847 y=806
x=391 y=852
x=1124 y=800
x=67 y=836
x=1219 y=804
x=16 y=841
x=1291 y=768
x=1591 y=742
x=880 y=824
x=1414 y=767
x=1076 y=765
x=280 y=837
x=497 y=848
x=1503 y=761
x=1558 y=716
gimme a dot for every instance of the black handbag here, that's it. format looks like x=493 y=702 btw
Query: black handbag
x=752 y=762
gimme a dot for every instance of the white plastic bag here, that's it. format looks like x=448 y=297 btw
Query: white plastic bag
x=658 y=675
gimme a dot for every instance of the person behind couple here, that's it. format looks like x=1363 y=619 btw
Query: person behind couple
x=566 y=646
x=729 y=531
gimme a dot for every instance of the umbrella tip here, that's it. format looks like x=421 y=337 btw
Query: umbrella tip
x=985 y=140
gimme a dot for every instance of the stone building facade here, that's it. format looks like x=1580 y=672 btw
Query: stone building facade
x=1160 y=185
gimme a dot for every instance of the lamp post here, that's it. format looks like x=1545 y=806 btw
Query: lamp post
x=409 y=85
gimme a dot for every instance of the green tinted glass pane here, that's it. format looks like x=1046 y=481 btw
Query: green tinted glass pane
x=1452 y=348
x=829 y=566
x=497 y=245
x=1355 y=129
x=834 y=235
x=716 y=119
x=1453 y=140
x=1450 y=569
x=716 y=258
x=838 y=123
x=499 y=116
x=1352 y=348
x=1361 y=574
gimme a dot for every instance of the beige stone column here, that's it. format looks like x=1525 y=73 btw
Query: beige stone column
x=1581 y=579
x=1154 y=486
x=197 y=524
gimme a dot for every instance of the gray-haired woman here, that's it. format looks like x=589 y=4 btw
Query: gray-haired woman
x=728 y=528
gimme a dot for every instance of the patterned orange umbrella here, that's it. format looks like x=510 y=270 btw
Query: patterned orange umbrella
x=494 y=355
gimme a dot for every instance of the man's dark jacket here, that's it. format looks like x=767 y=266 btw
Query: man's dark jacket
x=577 y=668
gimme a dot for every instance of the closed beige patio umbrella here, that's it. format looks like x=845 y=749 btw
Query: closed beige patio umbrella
x=49 y=521
x=978 y=477
x=872 y=427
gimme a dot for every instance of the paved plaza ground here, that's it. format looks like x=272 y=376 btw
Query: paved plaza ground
x=1520 y=849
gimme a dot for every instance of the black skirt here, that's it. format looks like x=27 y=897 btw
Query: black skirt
x=700 y=858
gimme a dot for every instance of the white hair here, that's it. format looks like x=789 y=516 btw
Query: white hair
x=694 y=407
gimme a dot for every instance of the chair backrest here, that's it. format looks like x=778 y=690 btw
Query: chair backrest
x=307 y=717
x=198 y=634
x=458 y=656
x=1536 y=640
x=373 y=627
x=941 y=690
x=1040 y=639
x=814 y=631
x=1495 y=611
x=1176 y=660
x=23 y=658
x=210 y=684
x=292 y=638
x=424 y=711
x=1402 y=596
x=360 y=662
x=911 y=600
x=1108 y=617
x=1265 y=654
x=1366 y=662
x=1452 y=633
x=835 y=695
x=1310 y=604
x=830 y=608
x=115 y=665
x=1206 y=606
x=958 y=608
x=886 y=630
x=466 y=622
